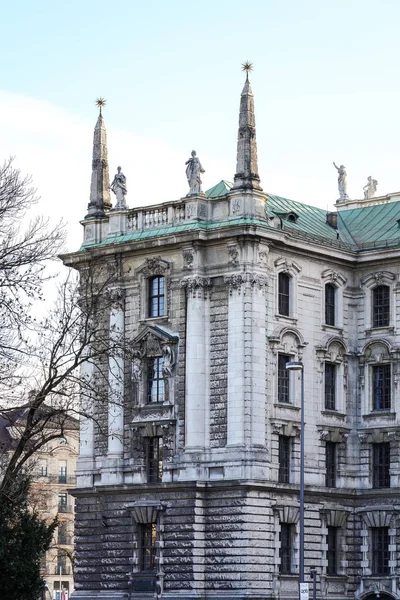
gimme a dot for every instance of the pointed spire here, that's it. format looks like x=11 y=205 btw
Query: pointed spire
x=100 y=184
x=246 y=163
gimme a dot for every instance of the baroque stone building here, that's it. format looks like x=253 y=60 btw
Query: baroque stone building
x=193 y=493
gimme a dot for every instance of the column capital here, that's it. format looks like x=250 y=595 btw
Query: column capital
x=197 y=284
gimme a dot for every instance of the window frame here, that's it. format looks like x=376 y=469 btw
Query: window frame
x=286 y=534
x=284 y=458
x=381 y=465
x=380 y=307
x=155 y=381
x=330 y=464
x=330 y=306
x=154 y=459
x=330 y=386
x=148 y=547
x=156 y=299
x=284 y=295
x=332 y=552
x=283 y=387
x=381 y=394
x=380 y=555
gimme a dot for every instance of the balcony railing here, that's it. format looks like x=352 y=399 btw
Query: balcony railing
x=65 y=508
x=62 y=479
x=65 y=540
x=64 y=570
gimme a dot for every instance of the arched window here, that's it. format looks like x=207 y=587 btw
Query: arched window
x=284 y=294
x=330 y=308
x=381 y=306
x=156 y=296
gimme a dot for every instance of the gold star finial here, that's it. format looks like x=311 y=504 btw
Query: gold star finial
x=100 y=102
x=247 y=66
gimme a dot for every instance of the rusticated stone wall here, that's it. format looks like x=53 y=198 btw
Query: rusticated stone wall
x=218 y=366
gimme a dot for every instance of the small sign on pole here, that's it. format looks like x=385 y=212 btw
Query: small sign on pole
x=304 y=591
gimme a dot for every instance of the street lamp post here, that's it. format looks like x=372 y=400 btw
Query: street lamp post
x=298 y=366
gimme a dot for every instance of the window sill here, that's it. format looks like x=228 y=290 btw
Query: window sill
x=380 y=413
x=163 y=319
x=286 y=405
x=333 y=413
x=286 y=319
x=380 y=330
x=335 y=328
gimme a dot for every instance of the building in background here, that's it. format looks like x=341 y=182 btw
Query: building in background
x=53 y=476
x=189 y=488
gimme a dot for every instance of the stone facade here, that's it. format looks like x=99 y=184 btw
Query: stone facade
x=199 y=499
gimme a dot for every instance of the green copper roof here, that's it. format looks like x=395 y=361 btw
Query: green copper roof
x=357 y=229
x=221 y=189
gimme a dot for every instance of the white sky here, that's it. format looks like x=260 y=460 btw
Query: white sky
x=325 y=82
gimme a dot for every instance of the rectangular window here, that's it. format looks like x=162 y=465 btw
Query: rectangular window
x=381 y=384
x=148 y=536
x=381 y=465
x=283 y=294
x=155 y=380
x=63 y=537
x=380 y=550
x=62 y=566
x=330 y=464
x=332 y=550
x=381 y=306
x=284 y=459
x=283 y=378
x=154 y=459
x=42 y=467
x=62 y=471
x=285 y=552
x=330 y=386
x=330 y=291
x=156 y=296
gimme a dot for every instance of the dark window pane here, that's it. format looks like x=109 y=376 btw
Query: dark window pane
x=381 y=384
x=148 y=533
x=330 y=386
x=154 y=459
x=284 y=459
x=332 y=551
x=381 y=306
x=381 y=465
x=283 y=378
x=380 y=550
x=285 y=551
x=330 y=291
x=155 y=380
x=330 y=464
x=283 y=294
x=156 y=297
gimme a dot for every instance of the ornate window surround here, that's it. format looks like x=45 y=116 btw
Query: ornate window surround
x=289 y=341
x=374 y=353
x=153 y=267
x=378 y=516
x=290 y=515
x=334 y=518
x=368 y=283
x=338 y=281
x=292 y=269
x=333 y=351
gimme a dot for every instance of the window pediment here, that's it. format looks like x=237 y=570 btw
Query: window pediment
x=378 y=278
x=154 y=266
x=334 y=277
x=286 y=265
x=151 y=340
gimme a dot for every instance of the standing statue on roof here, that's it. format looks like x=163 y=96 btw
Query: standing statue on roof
x=370 y=188
x=119 y=188
x=342 y=183
x=193 y=171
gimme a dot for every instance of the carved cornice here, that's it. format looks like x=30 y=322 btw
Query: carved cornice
x=196 y=285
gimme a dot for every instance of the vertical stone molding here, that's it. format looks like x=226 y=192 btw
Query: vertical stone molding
x=116 y=374
x=196 y=375
x=86 y=429
x=246 y=358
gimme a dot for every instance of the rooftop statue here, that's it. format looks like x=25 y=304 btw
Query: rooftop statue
x=370 y=188
x=119 y=188
x=342 y=183
x=193 y=171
